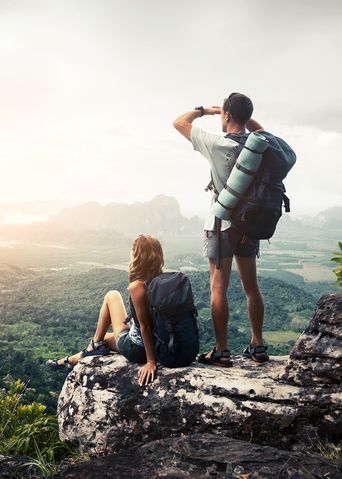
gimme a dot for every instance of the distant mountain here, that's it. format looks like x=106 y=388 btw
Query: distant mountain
x=327 y=224
x=93 y=224
x=160 y=216
x=115 y=224
x=331 y=218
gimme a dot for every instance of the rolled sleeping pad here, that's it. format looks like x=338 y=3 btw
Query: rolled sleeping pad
x=241 y=176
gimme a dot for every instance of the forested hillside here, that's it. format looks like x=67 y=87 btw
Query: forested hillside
x=50 y=314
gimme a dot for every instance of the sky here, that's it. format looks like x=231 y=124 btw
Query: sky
x=89 y=91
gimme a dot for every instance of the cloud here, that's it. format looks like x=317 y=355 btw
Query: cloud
x=314 y=181
x=88 y=92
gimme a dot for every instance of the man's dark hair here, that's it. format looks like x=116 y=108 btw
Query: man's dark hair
x=239 y=106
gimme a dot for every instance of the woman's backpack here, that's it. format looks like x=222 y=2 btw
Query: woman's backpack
x=174 y=318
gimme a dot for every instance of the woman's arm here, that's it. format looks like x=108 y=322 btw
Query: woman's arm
x=137 y=290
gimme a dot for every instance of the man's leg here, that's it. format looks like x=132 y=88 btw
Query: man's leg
x=219 y=303
x=247 y=271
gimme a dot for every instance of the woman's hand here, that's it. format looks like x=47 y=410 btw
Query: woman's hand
x=147 y=373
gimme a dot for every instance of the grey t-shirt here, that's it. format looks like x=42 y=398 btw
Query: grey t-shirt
x=221 y=153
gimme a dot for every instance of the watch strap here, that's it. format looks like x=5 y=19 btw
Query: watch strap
x=201 y=109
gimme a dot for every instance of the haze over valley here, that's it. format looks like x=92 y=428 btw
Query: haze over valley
x=92 y=234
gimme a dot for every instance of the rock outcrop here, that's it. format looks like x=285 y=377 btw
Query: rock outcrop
x=18 y=467
x=200 y=456
x=288 y=403
x=316 y=358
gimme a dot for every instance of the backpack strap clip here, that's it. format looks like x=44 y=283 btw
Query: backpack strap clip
x=210 y=186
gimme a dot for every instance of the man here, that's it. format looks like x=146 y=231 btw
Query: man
x=221 y=152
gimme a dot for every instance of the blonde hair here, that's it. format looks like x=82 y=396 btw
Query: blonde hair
x=147 y=258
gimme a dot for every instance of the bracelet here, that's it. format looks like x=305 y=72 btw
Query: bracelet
x=201 y=109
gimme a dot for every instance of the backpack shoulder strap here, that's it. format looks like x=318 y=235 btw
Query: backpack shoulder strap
x=241 y=139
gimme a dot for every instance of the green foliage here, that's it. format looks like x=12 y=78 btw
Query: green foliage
x=51 y=314
x=44 y=386
x=26 y=429
x=338 y=259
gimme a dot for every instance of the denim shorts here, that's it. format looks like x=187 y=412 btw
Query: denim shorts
x=131 y=351
x=232 y=243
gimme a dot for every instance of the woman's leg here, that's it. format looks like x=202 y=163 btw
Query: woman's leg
x=112 y=312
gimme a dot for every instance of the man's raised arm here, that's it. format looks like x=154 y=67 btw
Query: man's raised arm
x=184 y=122
x=253 y=125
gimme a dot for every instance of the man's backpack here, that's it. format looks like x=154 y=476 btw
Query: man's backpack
x=174 y=319
x=260 y=207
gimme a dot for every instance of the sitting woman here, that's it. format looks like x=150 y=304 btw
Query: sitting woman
x=135 y=342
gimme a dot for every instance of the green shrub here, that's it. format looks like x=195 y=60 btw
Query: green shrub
x=26 y=429
x=338 y=259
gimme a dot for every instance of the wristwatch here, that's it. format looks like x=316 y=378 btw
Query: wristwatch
x=201 y=109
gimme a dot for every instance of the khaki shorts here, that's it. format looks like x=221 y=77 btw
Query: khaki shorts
x=232 y=243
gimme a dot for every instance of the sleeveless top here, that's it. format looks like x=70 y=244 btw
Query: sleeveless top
x=134 y=332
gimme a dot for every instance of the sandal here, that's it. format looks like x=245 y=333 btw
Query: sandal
x=215 y=358
x=256 y=353
x=95 y=348
x=53 y=364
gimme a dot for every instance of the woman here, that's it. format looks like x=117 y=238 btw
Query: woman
x=135 y=342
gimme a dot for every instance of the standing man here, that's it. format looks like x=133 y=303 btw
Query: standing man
x=221 y=152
